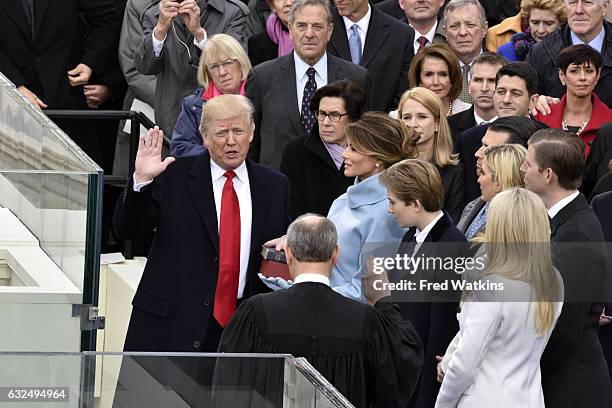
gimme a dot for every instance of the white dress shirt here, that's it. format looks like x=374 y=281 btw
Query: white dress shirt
x=243 y=191
x=362 y=27
x=312 y=277
x=429 y=35
x=479 y=120
x=554 y=210
x=159 y=45
x=301 y=77
x=421 y=235
x=596 y=43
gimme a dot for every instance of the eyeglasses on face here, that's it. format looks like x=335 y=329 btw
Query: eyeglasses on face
x=225 y=64
x=333 y=116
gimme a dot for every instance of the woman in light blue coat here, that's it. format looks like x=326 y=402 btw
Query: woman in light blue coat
x=375 y=142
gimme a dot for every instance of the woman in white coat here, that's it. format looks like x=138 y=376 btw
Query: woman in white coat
x=494 y=361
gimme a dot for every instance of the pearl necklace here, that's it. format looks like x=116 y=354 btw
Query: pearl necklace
x=450 y=109
x=580 y=129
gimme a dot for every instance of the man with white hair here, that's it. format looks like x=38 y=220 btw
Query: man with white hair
x=585 y=25
x=465 y=25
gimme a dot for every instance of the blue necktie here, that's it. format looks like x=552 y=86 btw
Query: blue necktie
x=307 y=117
x=355 y=44
x=478 y=222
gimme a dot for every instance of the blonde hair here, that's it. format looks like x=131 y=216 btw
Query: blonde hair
x=224 y=107
x=442 y=155
x=504 y=162
x=221 y=46
x=518 y=238
x=555 y=6
x=386 y=140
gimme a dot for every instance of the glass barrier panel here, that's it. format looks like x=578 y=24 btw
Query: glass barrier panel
x=177 y=380
x=50 y=207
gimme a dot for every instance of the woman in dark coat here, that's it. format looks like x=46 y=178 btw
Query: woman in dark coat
x=313 y=163
x=274 y=41
x=422 y=111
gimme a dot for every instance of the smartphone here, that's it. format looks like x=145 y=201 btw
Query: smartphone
x=272 y=254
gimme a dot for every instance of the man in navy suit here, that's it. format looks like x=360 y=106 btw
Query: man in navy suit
x=553 y=170
x=211 y=213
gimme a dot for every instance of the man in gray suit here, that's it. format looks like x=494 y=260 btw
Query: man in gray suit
x=281 y=89
x=174 y=34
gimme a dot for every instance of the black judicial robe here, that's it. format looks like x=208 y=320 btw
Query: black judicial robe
x=370 y=355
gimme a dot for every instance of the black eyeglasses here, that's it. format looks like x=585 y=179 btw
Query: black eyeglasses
x=225 y=64
x=333 y=116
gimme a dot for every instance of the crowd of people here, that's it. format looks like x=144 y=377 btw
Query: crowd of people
x=431 y=128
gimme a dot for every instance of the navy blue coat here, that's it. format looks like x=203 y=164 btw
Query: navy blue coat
x=173 y=305
x=186 y=137
x=435 y=322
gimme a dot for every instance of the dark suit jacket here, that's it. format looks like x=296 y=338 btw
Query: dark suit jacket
x=173 y=305
x=467 y=144
x=601 y=205
x=387 y=54
x=392 y=8
x=597 y=162
x=460 y=122
x=42 y=64
x=436 y=322
x=313 y=177
x=454 y=191
x=271 y=87
x=261 y=48
x=574 y=372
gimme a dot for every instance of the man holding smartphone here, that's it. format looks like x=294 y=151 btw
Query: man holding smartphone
x=174 y=34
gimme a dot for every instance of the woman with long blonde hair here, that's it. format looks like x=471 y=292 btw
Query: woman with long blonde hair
x=509 y=313
x=422 y=111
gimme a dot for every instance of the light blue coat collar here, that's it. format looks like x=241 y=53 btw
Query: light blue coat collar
x=366 y=192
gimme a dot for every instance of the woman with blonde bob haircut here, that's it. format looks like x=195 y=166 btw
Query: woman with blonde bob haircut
x=222 y=70
x=494 y=360
x=421 y=110
x=500 y=170
x=416 y=196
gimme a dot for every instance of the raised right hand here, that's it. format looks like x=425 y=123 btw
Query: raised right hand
x=148 y=158
x=168 y=9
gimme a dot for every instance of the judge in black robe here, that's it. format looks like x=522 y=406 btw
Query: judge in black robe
x=367 y=353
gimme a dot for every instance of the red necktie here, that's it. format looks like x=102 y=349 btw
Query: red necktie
x=422 y=40
x=229 y=253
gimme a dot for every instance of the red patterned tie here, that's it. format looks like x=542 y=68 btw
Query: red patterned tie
x=229 y=253
x=422 y=40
